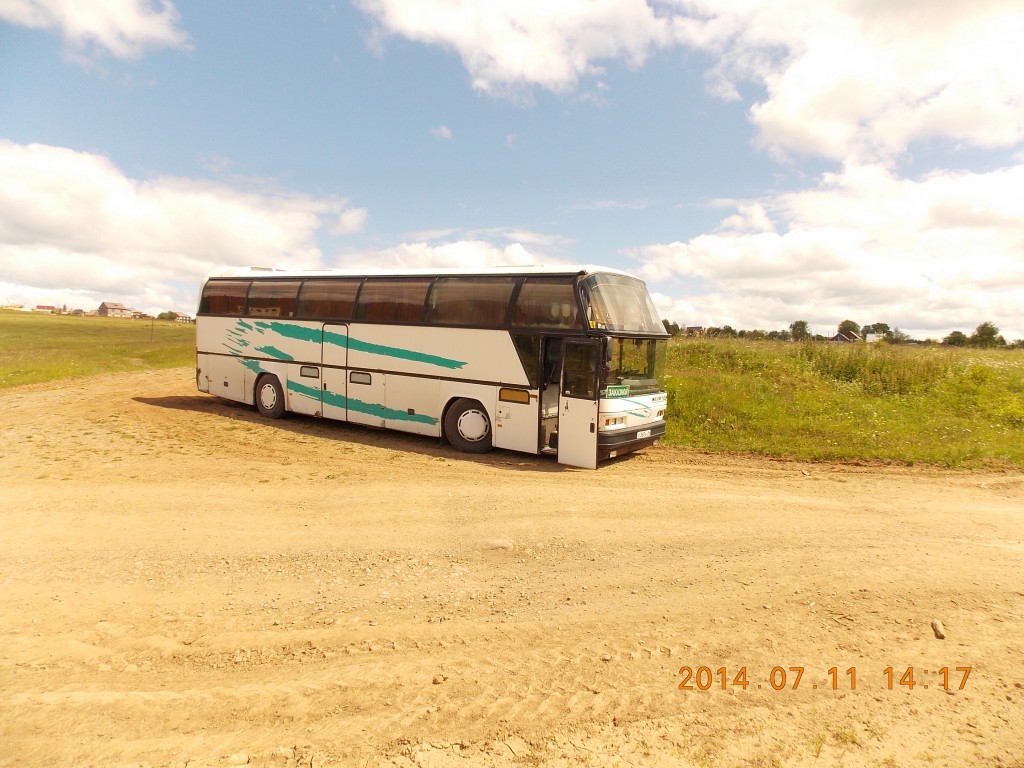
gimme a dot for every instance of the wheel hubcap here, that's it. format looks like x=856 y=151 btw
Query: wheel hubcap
x=473 y=426
x=268 y=396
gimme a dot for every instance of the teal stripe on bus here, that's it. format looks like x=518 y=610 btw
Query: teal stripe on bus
x=316 y=335
x=404 y=354
x=275 y=353
x=351 y=404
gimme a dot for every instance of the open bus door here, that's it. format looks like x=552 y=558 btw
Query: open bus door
x=577 y=406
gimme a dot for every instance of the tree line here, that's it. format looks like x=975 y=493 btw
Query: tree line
x=985 y=336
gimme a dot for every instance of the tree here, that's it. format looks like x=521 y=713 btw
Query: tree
x=896 y=336
x=986 y=335
x=879 y=329
x=798 y=330
x=167 y=316
x=848 y=326
x=780 y=335
x=672 y=328
x=956 y=339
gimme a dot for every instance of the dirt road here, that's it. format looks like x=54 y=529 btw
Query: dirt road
x=182 y=583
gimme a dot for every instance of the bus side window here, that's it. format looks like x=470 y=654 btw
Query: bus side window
x=223 y=297
x=328 y=299
x=272 y=298
x=388 y=300
x=473 y=302
x=546 y=303
x=528 y=347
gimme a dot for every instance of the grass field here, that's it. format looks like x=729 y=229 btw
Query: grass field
x=37 y=347
x=848 y=402
x=815 y=401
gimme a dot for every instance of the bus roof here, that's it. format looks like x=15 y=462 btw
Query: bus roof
x=530 y=269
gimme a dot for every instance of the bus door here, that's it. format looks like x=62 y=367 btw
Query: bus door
x=358 y=392
x=550 y=387
x=577 y=406
x=335 y=359
x=305 y=386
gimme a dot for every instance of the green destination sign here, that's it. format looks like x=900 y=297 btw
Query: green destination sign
x=617 y=390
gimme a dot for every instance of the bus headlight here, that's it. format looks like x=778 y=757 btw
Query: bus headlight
x=614 y=421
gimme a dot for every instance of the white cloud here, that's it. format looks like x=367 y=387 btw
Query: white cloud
x=442 y=132
x=863 y=79
x=124 y=29
x=462 y=249
x=860 y=82
x=509 y=43
x=467 y=254
x=848 y=80
x=749 y=217
x=941 y=253
x=350 y=221
x=72 y=221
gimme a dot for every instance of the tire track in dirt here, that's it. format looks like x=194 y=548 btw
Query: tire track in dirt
x=180 y=581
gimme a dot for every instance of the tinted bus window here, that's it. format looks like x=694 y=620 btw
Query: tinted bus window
x=528 y=347
x=579 y=378
x=223 y=297
x=546 y=303
x=470 y=301
x=329 y=299
x=385 y=300
x=272 y=298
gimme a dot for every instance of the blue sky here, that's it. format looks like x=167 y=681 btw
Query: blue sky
x=755 y=162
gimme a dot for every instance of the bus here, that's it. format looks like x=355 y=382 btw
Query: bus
x=563 y=361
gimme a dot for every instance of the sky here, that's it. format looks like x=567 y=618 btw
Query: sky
x=756 y=162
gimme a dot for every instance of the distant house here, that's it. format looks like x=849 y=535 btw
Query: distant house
x=44 y=308
x=694 y=330
x=846 y=337
x=113 y=309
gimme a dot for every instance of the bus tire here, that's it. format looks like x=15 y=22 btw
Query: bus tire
x=467 y=427
x=269 y=396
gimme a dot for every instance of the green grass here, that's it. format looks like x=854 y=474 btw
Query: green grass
x=37 y=347
x=839 y=402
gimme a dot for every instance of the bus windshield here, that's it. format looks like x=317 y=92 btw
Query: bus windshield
x=620 y=303
x=633 y=366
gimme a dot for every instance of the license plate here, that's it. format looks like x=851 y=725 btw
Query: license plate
x=643 y=433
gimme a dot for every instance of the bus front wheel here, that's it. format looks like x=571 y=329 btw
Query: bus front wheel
x=467 y=427
x=269 y=396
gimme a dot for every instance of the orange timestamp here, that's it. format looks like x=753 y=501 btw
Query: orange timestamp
x=789 y=678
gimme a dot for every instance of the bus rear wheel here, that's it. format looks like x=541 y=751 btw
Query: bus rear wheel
x=467 y=427
x=269 y=396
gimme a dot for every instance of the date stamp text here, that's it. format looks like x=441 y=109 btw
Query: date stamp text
x=780 y=678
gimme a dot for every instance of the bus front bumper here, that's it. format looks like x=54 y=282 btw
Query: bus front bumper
x=621 y=442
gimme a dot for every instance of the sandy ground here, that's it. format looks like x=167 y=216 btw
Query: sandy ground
x=182 y=583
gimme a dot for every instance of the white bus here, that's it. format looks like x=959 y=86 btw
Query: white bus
x=562 y=361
